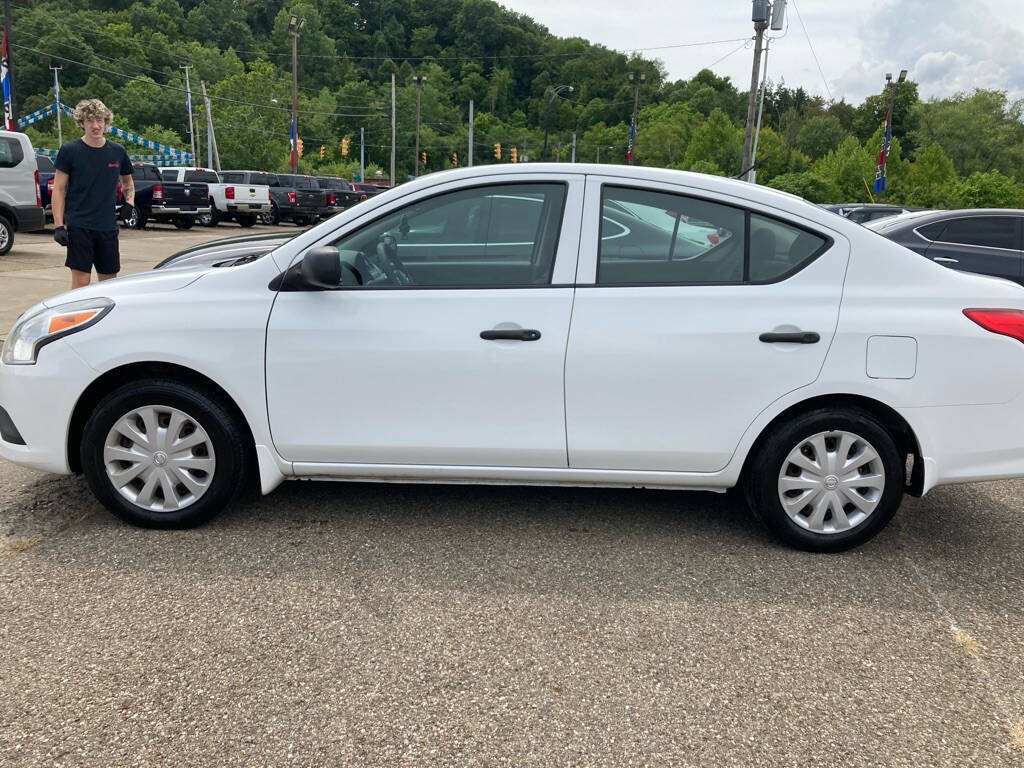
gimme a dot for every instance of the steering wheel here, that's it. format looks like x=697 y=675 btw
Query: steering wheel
x=387 y=258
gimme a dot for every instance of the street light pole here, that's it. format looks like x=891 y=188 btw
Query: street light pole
x=295 y=25
x=56 y=102
x=550 y=93
x=419 y=80
x=636 y=83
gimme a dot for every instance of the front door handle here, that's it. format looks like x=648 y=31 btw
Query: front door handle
x=946 y=260
x=799 y=337
x=517 y=334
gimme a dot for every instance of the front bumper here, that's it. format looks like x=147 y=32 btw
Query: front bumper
x=39 y=400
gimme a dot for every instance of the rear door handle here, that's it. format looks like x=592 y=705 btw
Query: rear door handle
x=517 y=334
x=946 y=260
x=799 y=337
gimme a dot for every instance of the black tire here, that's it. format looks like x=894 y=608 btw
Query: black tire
x=211 y=219
x=184 y=222
x=246 y=220
x=300 y=221
x=206 y=409
x=763 y=479
x=142 y=220
x=6 y=235
x=271 y=218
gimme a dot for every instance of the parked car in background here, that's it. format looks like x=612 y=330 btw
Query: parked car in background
x=21 y=205
x=238 y=202
x=340 y=195
x=46 y=170
x=862 y=212
x=307 y=191
x=286 y=202
x=820 y=368
x=368 y=189
x=985 y=241
x=156 y=199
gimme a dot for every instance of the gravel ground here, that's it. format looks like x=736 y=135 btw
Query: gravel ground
x=363 y=625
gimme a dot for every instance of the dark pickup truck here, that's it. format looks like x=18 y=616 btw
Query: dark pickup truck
x=178 y=202
x=287 y=202
x=309 y=198
x=340 y=195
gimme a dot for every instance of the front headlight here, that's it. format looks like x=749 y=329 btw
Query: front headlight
x=37 y=329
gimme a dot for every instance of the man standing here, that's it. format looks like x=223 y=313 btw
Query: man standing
x=85 y=195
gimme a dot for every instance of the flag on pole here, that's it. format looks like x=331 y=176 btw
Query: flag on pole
x=632 y=136
x=5 y=79
x=883 y=153
x=291 y=141
x=56 y=88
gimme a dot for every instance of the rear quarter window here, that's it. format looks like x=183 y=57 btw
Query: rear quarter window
x=11 y=153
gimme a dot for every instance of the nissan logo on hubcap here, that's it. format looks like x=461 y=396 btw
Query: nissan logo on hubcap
x=831 y=482
x=159 y=458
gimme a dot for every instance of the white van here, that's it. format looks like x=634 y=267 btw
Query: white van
x=20 y=202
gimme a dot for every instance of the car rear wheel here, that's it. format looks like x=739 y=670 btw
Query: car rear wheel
x=246 y=220
x=827 y=480
x=184 y=222
x=210 y=219
x=6 y=236
x=164 y=454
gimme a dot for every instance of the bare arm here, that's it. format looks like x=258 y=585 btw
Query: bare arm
x=60 y=190
x=128 y=189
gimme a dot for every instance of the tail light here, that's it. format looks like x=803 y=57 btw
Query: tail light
x=1007 y=322
x=330 y=198
x=291 y=197
x=158 y=192
x=713 y=238
x=49 y=186
x=361 y=198
x=39 y=197
x=229 y=193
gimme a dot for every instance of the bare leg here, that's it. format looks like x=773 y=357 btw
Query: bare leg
x=102 y=276
x=80 y=279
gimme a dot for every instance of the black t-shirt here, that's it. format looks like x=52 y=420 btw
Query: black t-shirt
x=93 y=173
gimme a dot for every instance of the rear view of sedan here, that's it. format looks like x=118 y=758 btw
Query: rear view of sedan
x=535 y=324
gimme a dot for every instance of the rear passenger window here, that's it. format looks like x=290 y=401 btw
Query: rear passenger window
x=10 y=152
x=650 y=237
x=932 y=231
x=777 y=249
x=985 y=231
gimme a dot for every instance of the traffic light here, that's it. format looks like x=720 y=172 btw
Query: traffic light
x=497 y=151
x=512 y=154
x=344 y=146
x=298 y=146
x=423 y=158
x=455 y=159
x=323 y=151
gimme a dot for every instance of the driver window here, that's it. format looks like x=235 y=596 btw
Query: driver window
x=488 y=237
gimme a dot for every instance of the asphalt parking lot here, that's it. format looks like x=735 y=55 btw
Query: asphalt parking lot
x=372 y=624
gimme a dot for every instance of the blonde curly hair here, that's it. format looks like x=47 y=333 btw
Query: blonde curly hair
x=90 y=108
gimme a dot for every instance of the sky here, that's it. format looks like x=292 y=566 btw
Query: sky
x=947 y=46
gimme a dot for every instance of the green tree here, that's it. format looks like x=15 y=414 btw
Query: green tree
x=849 y=170
x=931 y=180
x=820 y=135
x=988 y=190
x=717 y=141
x=809 y=186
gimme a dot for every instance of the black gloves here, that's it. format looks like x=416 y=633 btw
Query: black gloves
x=129 y=215
x=61 y=236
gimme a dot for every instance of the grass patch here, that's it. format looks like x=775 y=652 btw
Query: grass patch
x=967 y=643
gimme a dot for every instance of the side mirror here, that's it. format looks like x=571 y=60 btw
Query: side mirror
x=321 y=268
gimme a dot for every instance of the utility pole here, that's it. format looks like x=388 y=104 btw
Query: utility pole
x=573 y=160
x=7 y=56
x=56 y=102
x=295 y=25
x=188 y=103
x=419 y=80
x=752 y=173
x=759 y=16
x=362 y=157
x=213 y=158
x=598 y=154
x=392 y=129
x=636 y=83
x=469 y=154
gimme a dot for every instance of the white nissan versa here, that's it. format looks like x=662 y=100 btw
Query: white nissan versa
x=549 y=324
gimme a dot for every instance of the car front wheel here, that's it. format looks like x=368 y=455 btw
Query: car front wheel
x=162 y=454
x=827 y=480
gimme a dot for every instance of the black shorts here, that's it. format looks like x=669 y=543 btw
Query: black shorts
x=88 y=248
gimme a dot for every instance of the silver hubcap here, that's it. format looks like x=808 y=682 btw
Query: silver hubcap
x=831 y=482
x=5 y=236
x=159 y=458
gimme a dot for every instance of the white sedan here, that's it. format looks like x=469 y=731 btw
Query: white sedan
x=529 y=324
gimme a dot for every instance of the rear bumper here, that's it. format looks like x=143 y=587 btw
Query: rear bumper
x=248 y=208
x=179 y=210
x=29 y=218
x=39 y=400
x=300 y=211
x=969 y=443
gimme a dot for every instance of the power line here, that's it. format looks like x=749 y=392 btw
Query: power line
x=823 y=80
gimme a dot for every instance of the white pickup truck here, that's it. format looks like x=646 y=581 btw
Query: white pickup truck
x=241 y=202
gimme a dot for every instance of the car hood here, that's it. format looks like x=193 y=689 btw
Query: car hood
x=224 y=252
x=143 y=282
